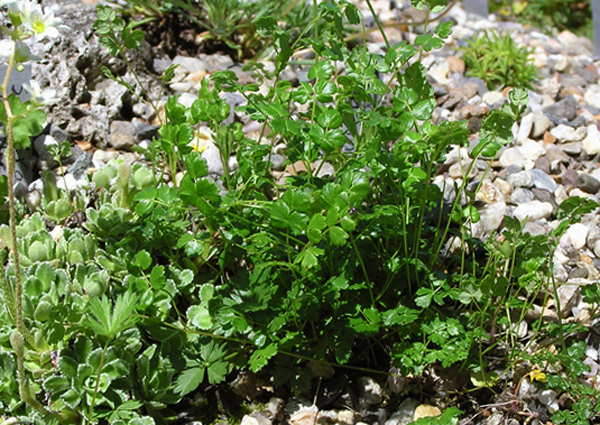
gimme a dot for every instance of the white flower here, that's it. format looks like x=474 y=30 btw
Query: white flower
x=22 y=9
x=39 y=96
x=43 y=24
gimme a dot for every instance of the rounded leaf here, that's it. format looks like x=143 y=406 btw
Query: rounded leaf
x=200 y=317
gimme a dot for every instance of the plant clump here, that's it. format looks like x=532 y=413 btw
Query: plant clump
x=499 y=61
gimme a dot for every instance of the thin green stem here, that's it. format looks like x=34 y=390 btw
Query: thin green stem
x=17 y=341
x=364 y=269
x=378 y=22
x=97 y=387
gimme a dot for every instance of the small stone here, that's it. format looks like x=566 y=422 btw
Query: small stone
x=375 y=416
x=81 y=165
x=548 y=138
x=521 y=196
x=591 y=143
x=504 y=187
x=122 y=135
x=544 y=195
x=439 y=72
x=305 y=416
x=492 y=97
x=278 y=161
x=580 y=193
x=556 y=154
x=186 y=99
x=404 y=414
x=426 y=411
x=482 y=87
x=570 y=91
x=531 y=151
x=346 y=417
x=275 y=407
x=188 y=64
x=533 y=211
x=543 y=180
x=216 y=62
x=559 y=62
x=578 y=273
x=592 y=96
x=491 y=213
x=183 y=87
x=512 y=156
x=527 y=390
x=565 y=133
x=524 y=128
x=535 y=228
x=145 y=131
x=573 y=148
x=460 y=169
x=543 y=164
x=58 y=133
x=588 y=183
x=69 y=181
x=370 y=390
x=566 y=108
x=33 y=199
x=255 y=418
x=495 y=419
x=577 y=234
x=161 y=65
x=568 y=294
x=196 y=76
x=520 y=329
x=100 y=158
x=456 y=64
x=465 y=91
x=522 y=179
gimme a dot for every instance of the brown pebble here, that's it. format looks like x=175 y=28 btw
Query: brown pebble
x=570 y=90
x=570 y=178
x=543 y=164
x=196 y=76
x=84 y=145
x=469 y=111
x=549 y=138
x=297 y=168
x=456 y=64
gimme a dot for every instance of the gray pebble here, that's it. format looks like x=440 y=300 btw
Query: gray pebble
x=122 y=135
x=522 y=179
x=543 y=180
x=566 y=108
x=521 y=195
x=588 y=183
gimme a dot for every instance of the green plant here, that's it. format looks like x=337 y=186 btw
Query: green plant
x=168 y=290
x=499 y=61
x=572 y=15
x=229 y=22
